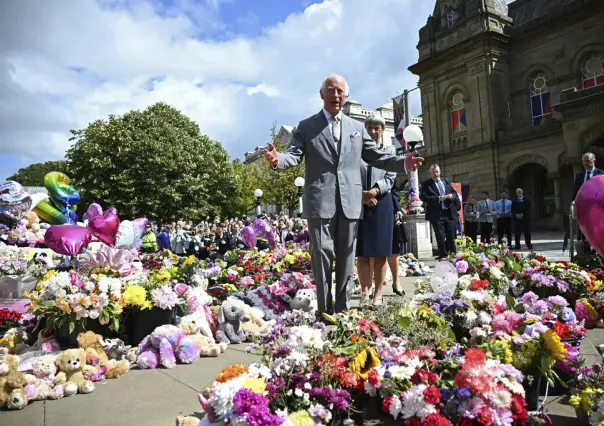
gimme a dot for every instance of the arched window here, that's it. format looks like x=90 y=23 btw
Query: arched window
x=458 y=113
x=540 y=100
x=592 y=70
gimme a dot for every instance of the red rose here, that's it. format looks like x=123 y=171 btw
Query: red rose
x=421 y=376
x=373 y=379
x=386 y=404
x=484 y=415
x=436 y=419
x=519 y=413
x=432 y=395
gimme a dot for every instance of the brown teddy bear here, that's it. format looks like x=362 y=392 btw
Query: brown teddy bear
x=92 y=344
x=12 y=382
x=72 y=369
x=207 y=345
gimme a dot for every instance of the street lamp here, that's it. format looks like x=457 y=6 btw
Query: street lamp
x=258 y=194
x=414 y=136
x=299 y=182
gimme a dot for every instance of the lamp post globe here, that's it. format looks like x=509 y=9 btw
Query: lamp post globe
x=299 y=182
x=258 y=193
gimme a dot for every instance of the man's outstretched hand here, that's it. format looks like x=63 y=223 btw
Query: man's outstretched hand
x=413 y=162
x=271 y=155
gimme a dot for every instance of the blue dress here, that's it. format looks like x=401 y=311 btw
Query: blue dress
x=376 y=228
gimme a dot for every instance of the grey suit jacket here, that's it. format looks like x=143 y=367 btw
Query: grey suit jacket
x=381 y=178
x=330 y=173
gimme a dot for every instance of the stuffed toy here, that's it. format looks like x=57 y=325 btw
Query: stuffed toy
x=230 y=317
x=12 y=383
x=256 y=325
x=187 y=421
x=15 y=340
x=92 y=344
x=72 y=369
x=116 y=349
x=567 y=315
x=304 y=300
x=166 y=346
x=41 y=385
x=199 y=318
x=207 y=345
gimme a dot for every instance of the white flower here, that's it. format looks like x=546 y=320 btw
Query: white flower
x=484 y=317
x=469 y=319
x=94 y=314
x=401 y=372
x=395 y=407
x=414 y=404
x=500 y=398
x=495 y=273
x=260 y=370
x=223 y=393
x=478 y=332
x=299 y=393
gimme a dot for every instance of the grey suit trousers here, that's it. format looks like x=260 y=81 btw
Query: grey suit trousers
x=328 y=238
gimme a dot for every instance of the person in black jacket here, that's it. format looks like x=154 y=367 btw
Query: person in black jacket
x=521 y=210
x=441 y=204
x=589 y=164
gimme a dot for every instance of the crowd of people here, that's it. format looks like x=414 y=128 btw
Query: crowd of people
x=211 y=239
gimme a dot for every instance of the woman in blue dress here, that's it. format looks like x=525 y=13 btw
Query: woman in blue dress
x=374 y=243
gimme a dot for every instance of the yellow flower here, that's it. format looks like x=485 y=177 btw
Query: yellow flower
x=301 y=418
x=590 y=309
x=136 y=296
x=289 y=259
x=424 y=308
x=365 y=361
x=63 y=305
x=555 y=345
x=189 y=260
x=531 y=321
x=256 y=385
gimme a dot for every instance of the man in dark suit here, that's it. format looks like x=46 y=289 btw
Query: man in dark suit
x=441 y=203
x=589 y=164
x=521 y=208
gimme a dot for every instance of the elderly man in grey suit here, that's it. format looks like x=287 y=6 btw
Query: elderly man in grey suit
x=334 y=146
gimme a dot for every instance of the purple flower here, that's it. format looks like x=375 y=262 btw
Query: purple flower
x=462 y=266
x=557 y=302
x=181 y=288
x=528 y=299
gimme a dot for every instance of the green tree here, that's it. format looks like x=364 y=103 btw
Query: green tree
x=278 y=185
x=245 y=181
x=33 y=175
x=152 y=163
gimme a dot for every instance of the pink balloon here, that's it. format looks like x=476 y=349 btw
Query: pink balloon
x=67 y=239
x=248 y=236
x=139 y=229
x=94 y=210
x=589 y=208
x=272 y=238
x=105 y=227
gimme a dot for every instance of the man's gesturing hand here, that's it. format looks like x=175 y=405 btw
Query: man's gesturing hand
x=271 y=155
x=412 y=162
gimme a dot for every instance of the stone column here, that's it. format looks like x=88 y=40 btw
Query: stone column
x=557 y=220
x=419 y=235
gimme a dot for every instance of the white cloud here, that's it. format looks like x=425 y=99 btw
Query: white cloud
x=66 y=63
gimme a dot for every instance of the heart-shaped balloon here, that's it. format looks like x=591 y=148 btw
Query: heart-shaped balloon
x=94 y=210
x=444 y=278
x=67 y=239
x=125 y=235
x=139 y=230
x=105 y=227
x=249 y=236
x=589 y=209
x=262 y=227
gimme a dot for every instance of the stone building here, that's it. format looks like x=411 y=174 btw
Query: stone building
x=513 y=95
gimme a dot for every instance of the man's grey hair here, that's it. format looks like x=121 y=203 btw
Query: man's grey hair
x=519 y=189
x=375 y=120
x=434 y=166
x=335 y=77
x=588 y=156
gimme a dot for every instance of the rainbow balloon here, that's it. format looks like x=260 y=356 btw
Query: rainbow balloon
x=63 y=197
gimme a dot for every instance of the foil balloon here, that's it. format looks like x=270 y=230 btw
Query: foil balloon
x=262 y=227
x=105 y=227
x=67 y=239
x=62 y=199
x=139 y=230
x=13 y=199
x=94 y=210
x=589 y=209
x=272 y=238
x=125 y=235
x=248 y=236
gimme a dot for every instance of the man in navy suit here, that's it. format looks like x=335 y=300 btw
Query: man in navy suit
x=521 y=209
x=442 y=203
x=589 y=164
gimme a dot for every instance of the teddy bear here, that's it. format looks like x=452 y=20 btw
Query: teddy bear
x=207 y=345
x=12 y=384
x=40 y=385
x=15 y=340
x=199 y=318
x=256 y=325
x=304 y=300
x=72 y=367
x=230 y=317
x=115 y=349
x=165 y=346
x=92 y=344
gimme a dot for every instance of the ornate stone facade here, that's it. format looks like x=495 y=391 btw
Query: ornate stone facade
x=513 y=95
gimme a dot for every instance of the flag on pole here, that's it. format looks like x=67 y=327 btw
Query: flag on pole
x=398 y=104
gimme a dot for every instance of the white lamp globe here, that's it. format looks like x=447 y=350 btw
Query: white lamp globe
x=258 y=193
x=299 y=182
x=413 y=133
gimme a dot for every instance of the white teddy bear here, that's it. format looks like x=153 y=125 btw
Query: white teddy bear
x=40 y=385
x=304 y=300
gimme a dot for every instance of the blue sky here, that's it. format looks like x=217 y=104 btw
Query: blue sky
x=234 y=66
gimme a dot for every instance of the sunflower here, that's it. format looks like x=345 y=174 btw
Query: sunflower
x=555 y=345
x=363 y=362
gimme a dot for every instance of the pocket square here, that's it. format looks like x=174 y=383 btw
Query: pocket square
x=355 y=134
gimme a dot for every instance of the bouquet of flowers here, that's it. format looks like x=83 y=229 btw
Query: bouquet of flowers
x=588 y=390
x=9 y=319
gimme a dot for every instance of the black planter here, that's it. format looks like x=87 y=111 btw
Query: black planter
x=70 y=340
x=139 y=324
x=532 y=390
